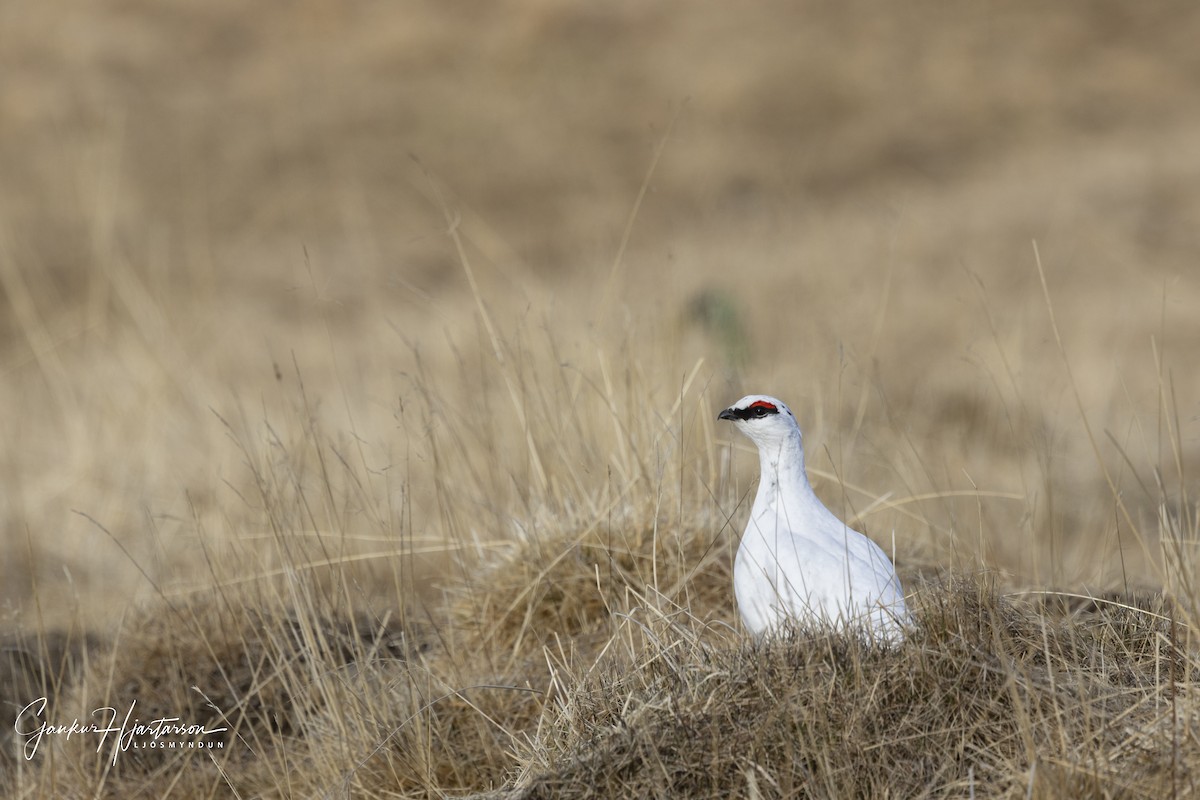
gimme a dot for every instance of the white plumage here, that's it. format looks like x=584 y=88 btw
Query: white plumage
x=797 y=560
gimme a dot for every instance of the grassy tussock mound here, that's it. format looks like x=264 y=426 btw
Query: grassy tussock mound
x=986 y=698
x=247 y=666
x=560 y=670
x=578 y=589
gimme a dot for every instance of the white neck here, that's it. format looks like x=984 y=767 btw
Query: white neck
x=783 y=483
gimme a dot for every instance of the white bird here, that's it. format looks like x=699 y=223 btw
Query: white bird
x=797 y=561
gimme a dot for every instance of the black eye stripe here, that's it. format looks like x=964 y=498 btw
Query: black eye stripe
x=755 y=411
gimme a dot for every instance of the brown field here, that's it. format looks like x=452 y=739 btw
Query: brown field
x=359 y=365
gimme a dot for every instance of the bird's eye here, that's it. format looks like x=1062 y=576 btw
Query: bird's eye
x=759 y=411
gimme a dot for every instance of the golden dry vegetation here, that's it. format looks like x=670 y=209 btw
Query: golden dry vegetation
x=360 y=364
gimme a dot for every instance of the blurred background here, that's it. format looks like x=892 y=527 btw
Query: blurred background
x=222 y=222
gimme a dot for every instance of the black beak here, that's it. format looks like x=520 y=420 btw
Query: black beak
x=728 y=414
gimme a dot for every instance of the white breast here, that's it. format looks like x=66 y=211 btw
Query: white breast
x=815 y=573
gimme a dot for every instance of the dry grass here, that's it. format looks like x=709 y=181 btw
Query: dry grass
x=582 y=643
x=360 y=371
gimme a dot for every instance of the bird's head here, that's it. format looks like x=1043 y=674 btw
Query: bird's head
x=768 y=422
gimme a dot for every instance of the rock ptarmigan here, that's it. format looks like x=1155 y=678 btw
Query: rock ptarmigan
x=797 y=561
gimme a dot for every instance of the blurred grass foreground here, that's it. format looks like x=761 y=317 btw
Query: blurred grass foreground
x=360 y=365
